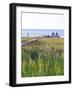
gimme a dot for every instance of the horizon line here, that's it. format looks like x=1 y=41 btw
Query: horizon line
x=45 y=29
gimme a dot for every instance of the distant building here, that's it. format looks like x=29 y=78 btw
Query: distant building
x=54 y=35
x=27 y=34
x=57 y=34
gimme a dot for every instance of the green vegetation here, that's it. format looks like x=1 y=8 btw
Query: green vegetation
x=44 y=57
x=26 y=39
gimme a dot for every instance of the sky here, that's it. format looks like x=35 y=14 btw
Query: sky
x=42 y=21
x=36 y=24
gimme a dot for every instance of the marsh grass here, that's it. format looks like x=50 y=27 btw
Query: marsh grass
x=43 y=58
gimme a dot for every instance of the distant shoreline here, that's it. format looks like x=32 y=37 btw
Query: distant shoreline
x=41 y=32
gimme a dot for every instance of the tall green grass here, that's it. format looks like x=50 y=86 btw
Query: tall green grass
x=43 y=58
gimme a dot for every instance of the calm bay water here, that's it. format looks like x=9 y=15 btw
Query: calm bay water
x=41 y=32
